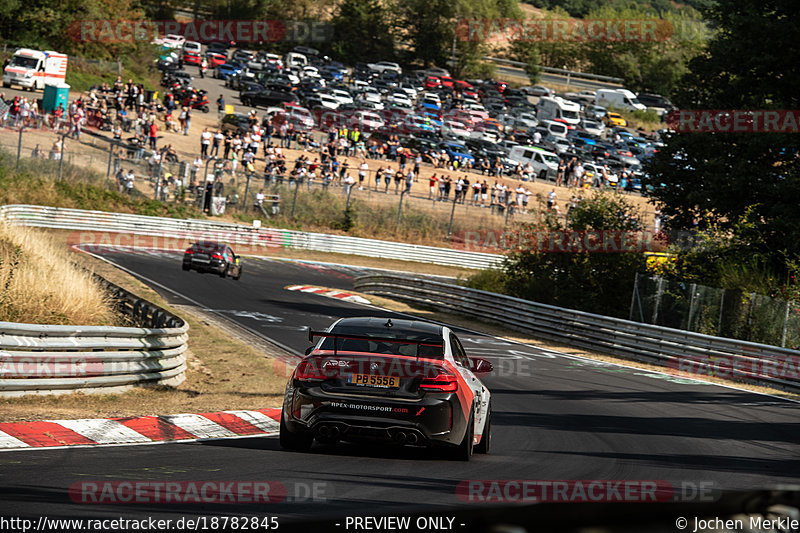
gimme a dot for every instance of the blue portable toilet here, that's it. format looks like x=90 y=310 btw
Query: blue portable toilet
x=55 y=94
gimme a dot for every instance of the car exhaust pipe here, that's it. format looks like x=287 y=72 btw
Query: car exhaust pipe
x=413 y=438
x=400 y=437
x=328 y=433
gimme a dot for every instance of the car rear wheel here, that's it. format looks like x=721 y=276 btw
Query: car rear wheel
x=294 y=441
x=186 y=267
x=238 y=274
x=486 y=439
x=465 y=449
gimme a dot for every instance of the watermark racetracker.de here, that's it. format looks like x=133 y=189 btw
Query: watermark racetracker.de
x=204 y=31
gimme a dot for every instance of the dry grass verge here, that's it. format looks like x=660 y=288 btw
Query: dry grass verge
x=224 y=373
x=40 y=284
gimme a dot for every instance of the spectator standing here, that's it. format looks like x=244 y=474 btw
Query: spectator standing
x=153 y=135
x=188 y=120
x=551 y=199
x=205 y=142
x=363 y=168
x=216 y=141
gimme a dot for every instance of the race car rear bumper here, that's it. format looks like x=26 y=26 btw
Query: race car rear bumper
x=436 y=419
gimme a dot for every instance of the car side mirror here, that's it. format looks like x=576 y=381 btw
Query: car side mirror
x=309 y=350
x=480 y=366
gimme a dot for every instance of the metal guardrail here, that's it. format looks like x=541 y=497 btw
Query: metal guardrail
x=41 y=359
x=551 y=70
x=237 y=234
x=693 y=353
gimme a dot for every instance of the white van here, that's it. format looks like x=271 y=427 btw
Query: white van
x=556 y=129
x=192 y=46
x=293 y=59
x=619 y=99
x=553 y=107
x=540 y=159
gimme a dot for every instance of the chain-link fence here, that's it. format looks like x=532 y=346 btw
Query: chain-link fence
x=393 y=208
x=713 y=311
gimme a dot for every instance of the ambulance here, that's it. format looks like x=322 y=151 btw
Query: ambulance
x=32 y=69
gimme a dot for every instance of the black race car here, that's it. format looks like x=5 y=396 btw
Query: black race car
x=397 y=381
x=208 y=256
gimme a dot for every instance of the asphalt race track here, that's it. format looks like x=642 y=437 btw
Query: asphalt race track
x=555 y=417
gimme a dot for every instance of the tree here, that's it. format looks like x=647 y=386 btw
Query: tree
x=362 y=32
x=429 y=26
x=713 y=179
x=577 y=279
x=527 y=51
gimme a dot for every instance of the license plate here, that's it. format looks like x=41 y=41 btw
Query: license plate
x=368 y=380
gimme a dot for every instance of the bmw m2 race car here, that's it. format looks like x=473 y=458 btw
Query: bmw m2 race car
x=397 y=381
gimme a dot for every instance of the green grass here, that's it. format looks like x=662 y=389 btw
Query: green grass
x=36 y=183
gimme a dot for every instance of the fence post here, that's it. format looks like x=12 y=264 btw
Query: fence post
x=785 y=324
x=110 y=157
x=61 y=159
x=659 y=292
x=633 y=295
x=294 y=199
x=349 y=192
x=19 y=149
x=693 y=288
x=158 y=179
x=452 y=214
x=246 y=190
x=400 y=209
x=721 y=309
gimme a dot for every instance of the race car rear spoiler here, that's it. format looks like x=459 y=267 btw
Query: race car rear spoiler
x=394 y=340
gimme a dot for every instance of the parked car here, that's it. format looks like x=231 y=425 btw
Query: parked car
x=615 y=120
x=236 y=123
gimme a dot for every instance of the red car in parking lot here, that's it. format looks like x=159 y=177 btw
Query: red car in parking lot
x=215 y=59
x=432 y=82
x=192 y=58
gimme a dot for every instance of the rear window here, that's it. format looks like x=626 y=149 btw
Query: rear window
x=384 y=346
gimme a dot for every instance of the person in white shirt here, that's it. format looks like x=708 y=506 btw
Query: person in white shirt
x=537 y=137
x=363 y=168
x=476 y=193
x=349 y=181
x=205 y=141
x=129 y=178
x=520 y=195
x=551 y=199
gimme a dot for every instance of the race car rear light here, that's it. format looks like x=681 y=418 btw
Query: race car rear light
x=309 y=369
x=216 y=256
x=189 y=252
x=440 y=383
